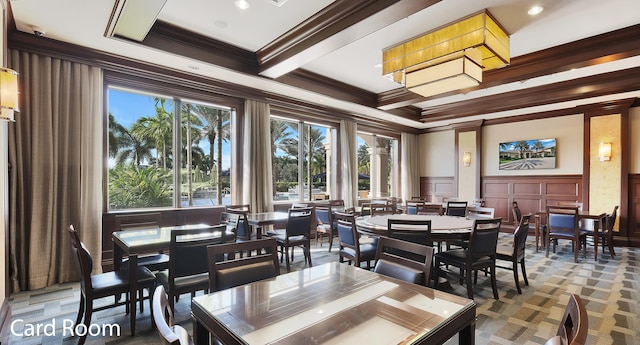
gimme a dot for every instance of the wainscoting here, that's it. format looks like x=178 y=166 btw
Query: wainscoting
x=436 y=188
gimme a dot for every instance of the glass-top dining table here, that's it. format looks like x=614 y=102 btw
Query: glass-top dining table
x=332 y=303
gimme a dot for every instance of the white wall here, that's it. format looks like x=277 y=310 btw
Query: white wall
x=634 y=122
x=467 y=181
x=437 y=154
x=568 y=131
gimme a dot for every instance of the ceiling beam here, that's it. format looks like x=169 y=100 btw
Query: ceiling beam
x=570 y=90
x=337 y=25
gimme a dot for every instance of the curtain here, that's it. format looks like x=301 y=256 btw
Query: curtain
x=55 y=151
x=257 y=168
x=409 y=167
x=349 y=162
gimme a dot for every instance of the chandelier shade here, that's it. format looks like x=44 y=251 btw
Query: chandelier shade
x=477 y=39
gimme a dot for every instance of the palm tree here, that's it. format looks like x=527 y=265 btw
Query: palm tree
x=279 y=133
x=215 y=128
x=521 y=146
x=538 y=146
x=363 y=159
x=124 y=147
x=158 y=129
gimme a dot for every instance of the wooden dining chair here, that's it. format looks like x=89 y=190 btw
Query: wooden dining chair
x=431 y=210
x=480 y=212
x=562 y=224
x=235 y=264
x=411 y=230
x=350 y=247
x=296 y=234
x=515 y=253
x=189 y=269
x=404 y=260
x=414 y=206
x=457 y=208
x=240 y=226
x=108 y=284
x=480 y=254
x=170 y=333
x=324 y=223
x=574 y=326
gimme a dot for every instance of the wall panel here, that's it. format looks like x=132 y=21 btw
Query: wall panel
x=436 y=188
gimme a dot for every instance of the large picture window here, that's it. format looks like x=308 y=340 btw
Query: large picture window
x=146 y=167
x=300 y=163
x=376 y=162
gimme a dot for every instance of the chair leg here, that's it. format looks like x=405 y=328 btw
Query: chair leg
x=469 y=285
x=287 y=258
x=308 y=248
x=494 y=284
x=524 y=272
x=515 y=276
x=331 y=241
x=88 y=310
x=575 y=252
x=438 y=273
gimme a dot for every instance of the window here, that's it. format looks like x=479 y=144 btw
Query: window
x=376 y=166
x=142 y=152
x=300 y=164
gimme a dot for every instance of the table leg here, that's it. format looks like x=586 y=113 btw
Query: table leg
x=200 y=333
x=596 y=225
x=466 y=336
x=133 y=290
x=537 y=232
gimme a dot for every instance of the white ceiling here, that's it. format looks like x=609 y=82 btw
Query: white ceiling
x=562 y=21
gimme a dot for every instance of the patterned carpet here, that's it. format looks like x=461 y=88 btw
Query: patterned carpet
x=610 y=289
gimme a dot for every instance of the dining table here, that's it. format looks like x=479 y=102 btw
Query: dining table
x=598 y=219
x=262 y=219
x=442 y=227
x=333 y=303
x=132 y=243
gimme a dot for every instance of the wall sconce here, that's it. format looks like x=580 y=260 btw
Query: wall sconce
x=466 y=159
x=8 y=94
x=605 y=152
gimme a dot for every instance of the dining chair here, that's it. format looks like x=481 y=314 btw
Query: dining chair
x=515 y=253
x=170 y=333
x=108 y=284
x=189 y=269
x=414 y=206
x=517 y=216
x=411 y=230
x=350 y=247
x=404 y=260
x=480 y=254
x=238 y=218
x=480 y=212
x=324 y=223
x=382 y=209
x=154 y=261
x=235 y=264
x=574 y=326
x=296 y=234
x=607 y=239
x=230 y=220
x=562 y=224
x=589 y=226
x=457 y=208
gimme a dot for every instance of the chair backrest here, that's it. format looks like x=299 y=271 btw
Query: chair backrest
x=234 y=264
x=477 y=202
x=481 y=212
x=520 y=235
x=299 y=205
x=570 y=203
x=137 y=221
x=299 y=222
x=188 y=250
x=575 y=323
x=347 y=232
x=336 y=203
x=323 y=214
x=564 y=218
x=431 y=209
x=163 y=317
x=517 y=213
x=382 y=209
x=611 y=218
x=239 y=218
x=411 y=230
x=483 y=240
x=391 y=262
x=414 y=206
x=83 y=260
x=457 y=208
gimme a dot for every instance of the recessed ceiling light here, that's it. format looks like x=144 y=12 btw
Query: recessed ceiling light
x=535 y=10
x=242 y=4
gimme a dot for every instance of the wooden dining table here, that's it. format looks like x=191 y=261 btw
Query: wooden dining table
x=332 y=303
x=262 y=219
x=599 y=220
x=442 y=227
x=131 y=243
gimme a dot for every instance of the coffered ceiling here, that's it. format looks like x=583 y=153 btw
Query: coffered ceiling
x=329 y=53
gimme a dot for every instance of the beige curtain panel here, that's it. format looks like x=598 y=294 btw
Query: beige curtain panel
x=257 y=169
x=55 y=153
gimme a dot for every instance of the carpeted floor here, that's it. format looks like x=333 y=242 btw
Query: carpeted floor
x=610 y=289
